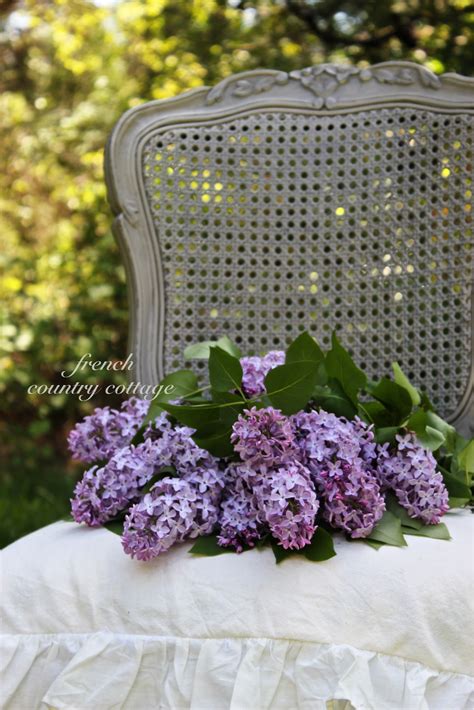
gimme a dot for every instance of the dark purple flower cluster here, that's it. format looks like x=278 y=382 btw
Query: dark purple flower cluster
x=340 y=455
x=410 y=472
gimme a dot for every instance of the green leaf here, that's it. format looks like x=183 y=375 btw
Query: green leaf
x=402 y=380
x=226 y=344
x=218 y=444
x=207 y=545
x=394 y=507
x=341 y=367
x=319 y=549
x=280 y=553
x=459 y=491
x=395 y=398
x=388 y=530
x=304 y=348
x=376 y=413
x=428 y=437
x=225 y=371
x=183 y=382
x=289 y=387
x=386 y=435
x=426 y=403
x=201 y=351
x=333 y=399
x=321 y=546
x=438 y=532
x=447 y=430
x=114 y=526
x=373 y=543
x=195 y=416
x=466 y=457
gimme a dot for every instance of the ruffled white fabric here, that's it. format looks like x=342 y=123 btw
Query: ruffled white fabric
x=85 y=627
x=110 y=671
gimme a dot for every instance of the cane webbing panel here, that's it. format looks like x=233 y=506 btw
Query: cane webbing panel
x=283 y=220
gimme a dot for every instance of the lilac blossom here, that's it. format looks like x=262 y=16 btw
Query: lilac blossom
x=255 y=369
x=263 y=438
x=104 y=492
x=239 y=525
x=288 y=504
x=105 y=431
x=322 y=436
x=410 y=472
x=172 y=511
x=352 y=501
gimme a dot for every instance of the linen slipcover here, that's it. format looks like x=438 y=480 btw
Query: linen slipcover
x=84 y=626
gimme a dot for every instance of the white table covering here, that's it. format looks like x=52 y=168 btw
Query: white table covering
x=84 y=626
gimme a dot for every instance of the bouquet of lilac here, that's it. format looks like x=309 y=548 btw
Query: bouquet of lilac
x=283 y=450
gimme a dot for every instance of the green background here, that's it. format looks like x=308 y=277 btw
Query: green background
x=68 y=70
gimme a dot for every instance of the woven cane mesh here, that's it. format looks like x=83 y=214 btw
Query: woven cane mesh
x=274 y=222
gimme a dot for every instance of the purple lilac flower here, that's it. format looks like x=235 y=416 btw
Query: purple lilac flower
x=351 y=496
x=322 y=436
x=411 y=473
x=341 y=457
x=172 y=511
x=263 y=438
x=238 y=518
x=105 y=431
x=255 y=369
x=288 y=504
x=104 y=492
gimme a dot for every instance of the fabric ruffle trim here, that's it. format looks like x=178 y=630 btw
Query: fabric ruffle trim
x=108 y=671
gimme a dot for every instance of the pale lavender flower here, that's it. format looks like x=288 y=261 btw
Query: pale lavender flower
x=105 y=431
x=239 y=526
x=288 y=504
x=263 y=438
x=255 y=369
x=352 y=501
x=410 y=472
x=104 y=492
x=322 y=436
x=172 y=511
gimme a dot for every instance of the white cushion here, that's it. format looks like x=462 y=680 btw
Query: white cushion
x=87 y=627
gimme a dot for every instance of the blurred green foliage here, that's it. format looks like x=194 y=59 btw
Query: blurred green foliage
x=68 y=69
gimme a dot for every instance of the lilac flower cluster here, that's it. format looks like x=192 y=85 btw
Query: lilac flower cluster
x=263 y=438
x=292 y=472
x=103 y=492
x=172 y=511
x=274 y=490
x=410 y=472
x=105 y=431
x=106 y=491
x=239 y=523
x=340 y=455
x=255 y=369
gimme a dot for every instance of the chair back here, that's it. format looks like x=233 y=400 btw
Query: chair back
x=331 y=198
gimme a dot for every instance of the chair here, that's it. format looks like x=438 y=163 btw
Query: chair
x=328 y=198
